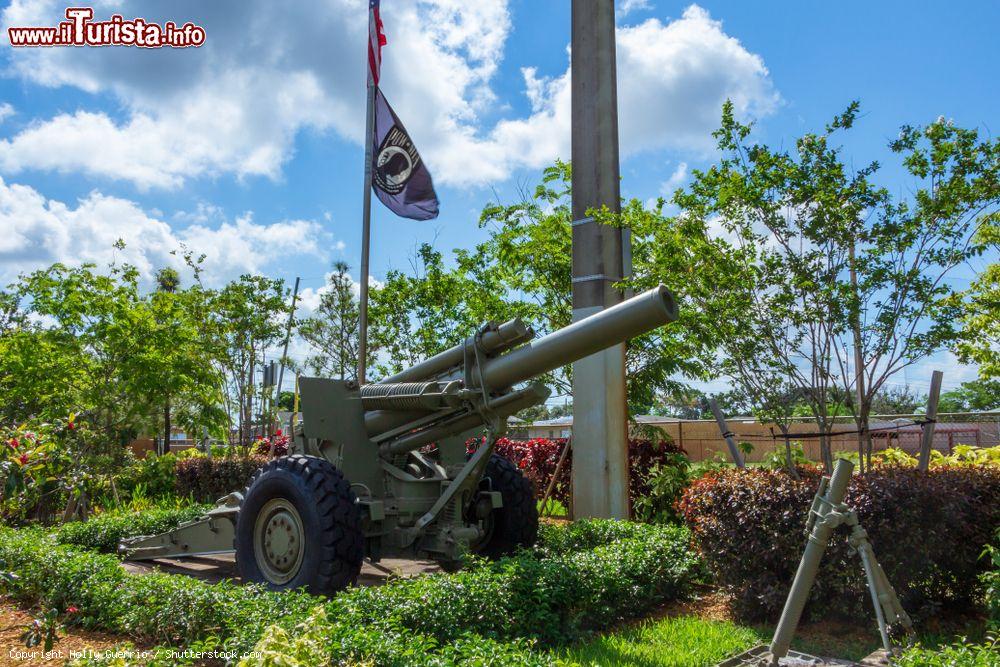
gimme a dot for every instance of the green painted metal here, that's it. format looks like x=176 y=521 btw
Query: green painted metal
x=416 y=503
x=826 y=514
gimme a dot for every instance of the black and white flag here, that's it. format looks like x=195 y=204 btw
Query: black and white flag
x=399 y=176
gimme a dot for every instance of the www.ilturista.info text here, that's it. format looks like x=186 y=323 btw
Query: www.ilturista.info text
x=81 y=30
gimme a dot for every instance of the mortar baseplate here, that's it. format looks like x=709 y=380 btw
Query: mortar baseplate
x=760 y=656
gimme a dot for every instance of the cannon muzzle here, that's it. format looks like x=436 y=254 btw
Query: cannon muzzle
x=599 y=331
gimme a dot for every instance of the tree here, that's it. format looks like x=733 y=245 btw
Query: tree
x=897 y=401
x=980 y=340
x=247 y=317
x=762 y=257
x=802 y=261
x=902 y=307
x=974 y=396
x=332 y=332
x=178 y=373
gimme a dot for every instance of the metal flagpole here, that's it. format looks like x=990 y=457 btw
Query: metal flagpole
x=288 y=335
x=366 y=228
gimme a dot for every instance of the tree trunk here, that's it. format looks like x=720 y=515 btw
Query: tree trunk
x=866 y=433
x=789 y=461
x=166 y=426
x=825 y=450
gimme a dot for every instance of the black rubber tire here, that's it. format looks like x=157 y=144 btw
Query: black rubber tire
x=331 y=521
x=516 y=523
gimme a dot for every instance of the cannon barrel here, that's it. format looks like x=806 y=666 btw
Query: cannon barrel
x=503 y=407
x=494 y=339
x=583 y=338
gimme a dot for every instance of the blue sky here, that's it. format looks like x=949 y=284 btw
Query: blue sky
x=249 y=148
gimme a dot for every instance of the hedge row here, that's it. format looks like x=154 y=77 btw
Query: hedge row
x=539 y=457
x=491 y=614
x=208 y=479
x=198 y=477
x=104 y=531
x=928 y=529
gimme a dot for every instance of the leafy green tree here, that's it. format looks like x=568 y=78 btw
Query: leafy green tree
x=414 y=316
x=178 y=373
x=522 y=270
x=980 y=341
x=247 y=317
x=332 y=332
x=897 y=401
x=799 y=259
x=903 y=306
x=974 y=396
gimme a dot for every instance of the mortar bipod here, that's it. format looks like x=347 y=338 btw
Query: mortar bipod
x=827 y=513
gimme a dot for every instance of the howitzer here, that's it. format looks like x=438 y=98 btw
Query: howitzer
x=383 y=469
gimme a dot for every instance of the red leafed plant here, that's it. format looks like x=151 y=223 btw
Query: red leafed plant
x=276 y=445
x=928 y=529
x=538 y=458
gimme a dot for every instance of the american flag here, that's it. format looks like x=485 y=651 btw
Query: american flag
x=376 y=40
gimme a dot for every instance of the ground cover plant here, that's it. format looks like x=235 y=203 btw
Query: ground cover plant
x=929 y=531
x=960 y=654
x=582 y=577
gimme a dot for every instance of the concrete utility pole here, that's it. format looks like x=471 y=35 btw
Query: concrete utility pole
x=600 y=451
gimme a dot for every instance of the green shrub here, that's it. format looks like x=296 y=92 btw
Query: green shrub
x=991 y=582
x=588 y=534
x=154 y=475
x=956 y=655
x=588 y=576
x=317 y=641
x=777 y=458
x=551 y=598
x=103 y=532
x=928 y=530
x=664 y=484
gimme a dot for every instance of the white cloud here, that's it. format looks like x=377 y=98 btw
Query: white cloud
x=626 y=7
x=676 y=180
x=6 y=111
x=40 y=231
x=269 y=70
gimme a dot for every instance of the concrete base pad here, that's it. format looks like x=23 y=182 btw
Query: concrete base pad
x=760 y=656
x=216 y=568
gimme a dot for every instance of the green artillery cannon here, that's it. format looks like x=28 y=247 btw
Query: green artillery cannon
x=383 y=471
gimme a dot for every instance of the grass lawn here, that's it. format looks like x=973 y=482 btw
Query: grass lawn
x=680 y=641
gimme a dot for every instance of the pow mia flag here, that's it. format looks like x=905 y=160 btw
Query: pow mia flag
x=399 y=176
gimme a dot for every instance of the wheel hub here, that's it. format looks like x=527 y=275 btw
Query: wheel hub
x=278 y=541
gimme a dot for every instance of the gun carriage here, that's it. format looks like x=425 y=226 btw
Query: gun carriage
x=360 y=480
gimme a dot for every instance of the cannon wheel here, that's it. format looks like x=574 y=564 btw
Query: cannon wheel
x=299 y=525
x=516 y=523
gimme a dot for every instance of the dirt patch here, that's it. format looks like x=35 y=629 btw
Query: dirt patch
x=72 y=640
x=707 y=604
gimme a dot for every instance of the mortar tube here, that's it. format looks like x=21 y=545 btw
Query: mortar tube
x=816 y=544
